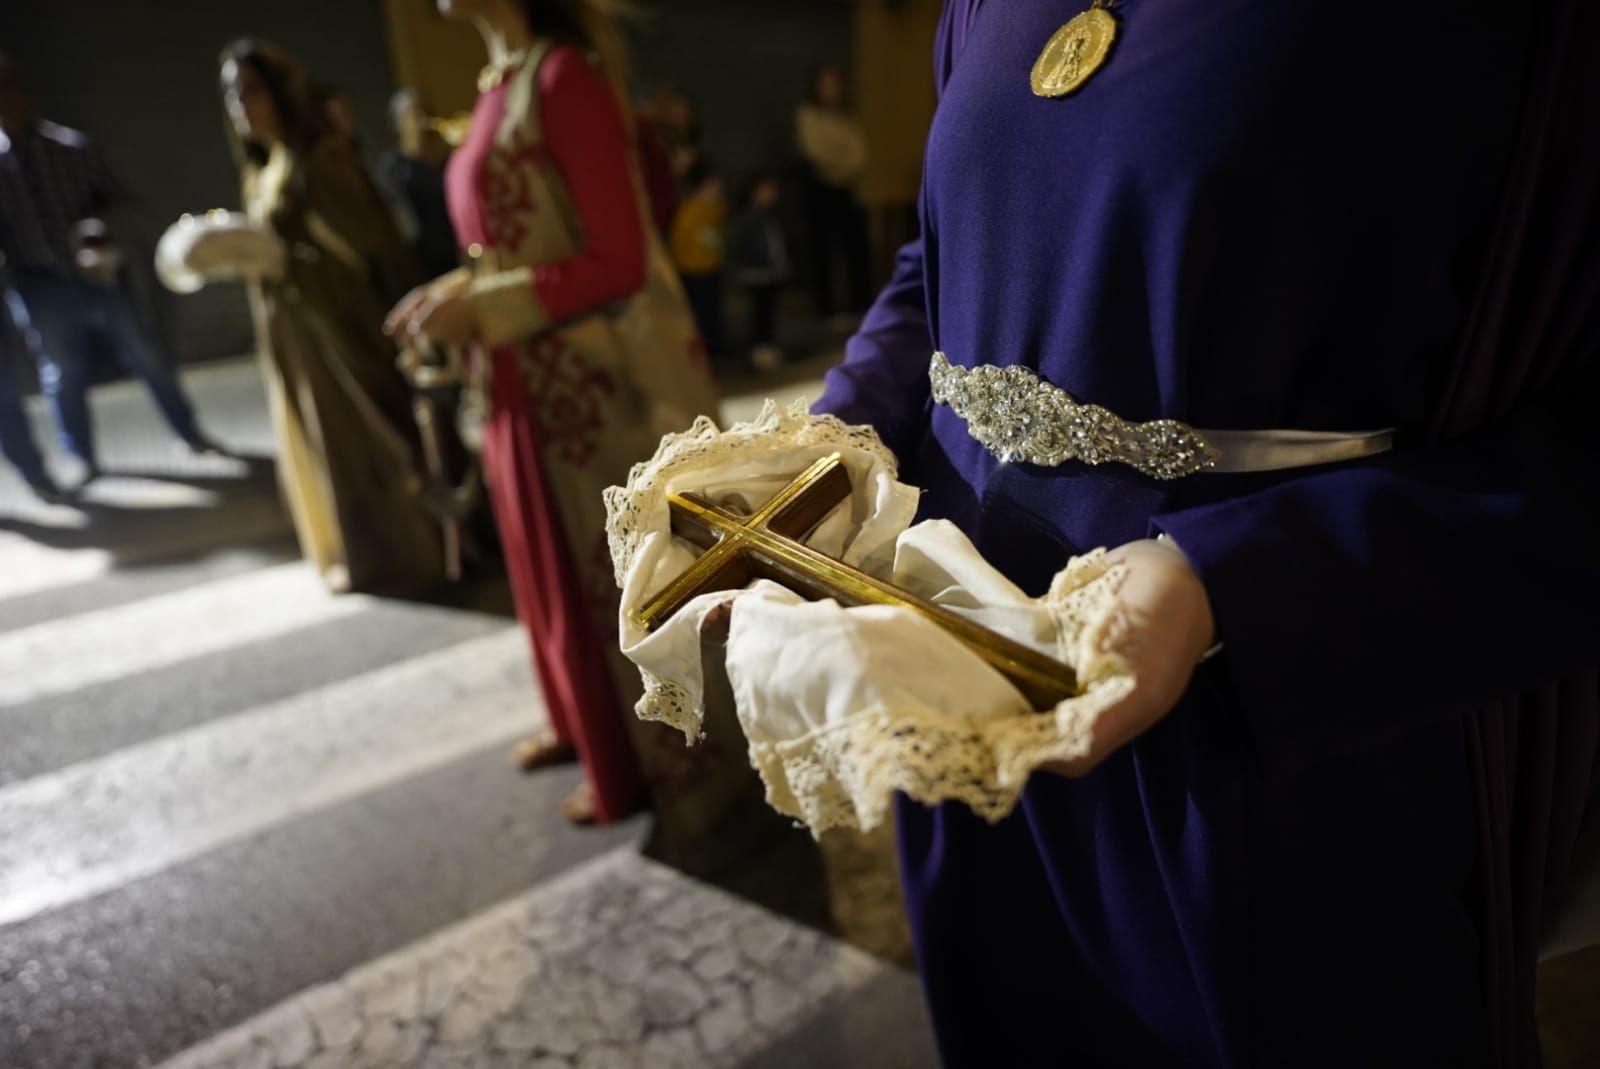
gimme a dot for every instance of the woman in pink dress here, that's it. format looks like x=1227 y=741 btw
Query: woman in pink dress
x=574 y=318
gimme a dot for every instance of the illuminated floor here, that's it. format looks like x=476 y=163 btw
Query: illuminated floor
x=243 y=823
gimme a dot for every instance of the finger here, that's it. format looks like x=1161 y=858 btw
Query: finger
x=398 y=315
x=423 y=319
x=404 y=310
x=714 y=628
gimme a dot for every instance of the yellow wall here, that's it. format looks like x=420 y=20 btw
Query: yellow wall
x=893 y=68
x=894 y=90
x=439 y=58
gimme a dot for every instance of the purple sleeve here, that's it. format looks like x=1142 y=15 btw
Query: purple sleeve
x=1360 y=602
x=883 y=379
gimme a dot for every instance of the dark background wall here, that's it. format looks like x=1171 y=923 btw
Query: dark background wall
x=140 y=77
x=745 y=63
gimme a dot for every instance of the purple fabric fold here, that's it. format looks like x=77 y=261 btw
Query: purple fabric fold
x=1534 y=332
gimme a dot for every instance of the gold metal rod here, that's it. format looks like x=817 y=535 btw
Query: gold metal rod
x=799 y=485
x=698 y=578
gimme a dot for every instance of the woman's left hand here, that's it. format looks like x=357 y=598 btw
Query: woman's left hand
x=1163 y=625
x=447 y=319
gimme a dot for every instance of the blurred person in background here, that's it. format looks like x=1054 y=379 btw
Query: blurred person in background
x=16 y=437
x=699 y=242
x=340 y=108
x=413 y=173
x=655 y=166
x=674 y=119
x=833 y=149
x=760 y=255
x=348 y=447
x=65 y=266
x=584 y=344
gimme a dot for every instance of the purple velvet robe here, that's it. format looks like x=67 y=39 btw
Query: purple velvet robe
x=1258 y=215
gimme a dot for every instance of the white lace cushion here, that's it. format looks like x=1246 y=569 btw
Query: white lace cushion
x=843 y=707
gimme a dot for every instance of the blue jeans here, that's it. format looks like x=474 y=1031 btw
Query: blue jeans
x=16 y=439
x=65 y=315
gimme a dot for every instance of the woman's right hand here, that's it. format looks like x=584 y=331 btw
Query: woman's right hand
x=398 y=321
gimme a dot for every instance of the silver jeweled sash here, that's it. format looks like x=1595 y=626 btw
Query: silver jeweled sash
x=1018 y=416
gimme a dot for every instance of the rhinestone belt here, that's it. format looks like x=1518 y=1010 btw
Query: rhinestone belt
x=1018 y=416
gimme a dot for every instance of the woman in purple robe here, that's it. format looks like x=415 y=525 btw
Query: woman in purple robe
x=1335 y=842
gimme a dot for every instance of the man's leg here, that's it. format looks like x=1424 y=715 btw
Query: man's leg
x=16 y=439
x=764 y=352
x=705 y=302
x=766 y=314
x=139 y=358
x=820 y=212
x=858 y=252
x=59 y=336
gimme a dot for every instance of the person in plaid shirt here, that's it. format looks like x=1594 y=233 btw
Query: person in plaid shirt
x=63 y=264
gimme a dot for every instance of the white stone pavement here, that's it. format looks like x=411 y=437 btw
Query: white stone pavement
x=62 y=655
x=98 y=824
x=269 y=841
x=618 y=964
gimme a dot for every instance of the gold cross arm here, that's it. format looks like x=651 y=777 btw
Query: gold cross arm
x=769 y=545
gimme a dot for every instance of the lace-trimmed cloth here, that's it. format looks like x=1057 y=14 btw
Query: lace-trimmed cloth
x=841 y=707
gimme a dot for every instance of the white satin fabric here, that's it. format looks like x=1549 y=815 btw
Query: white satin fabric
x=1277 y=450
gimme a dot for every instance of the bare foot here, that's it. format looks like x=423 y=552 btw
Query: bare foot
x=542 y=751
x=578 y=807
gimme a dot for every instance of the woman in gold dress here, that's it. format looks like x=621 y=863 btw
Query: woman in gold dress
x=341 y=408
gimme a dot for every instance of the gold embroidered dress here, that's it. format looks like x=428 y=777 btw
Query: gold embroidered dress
x=341 y=409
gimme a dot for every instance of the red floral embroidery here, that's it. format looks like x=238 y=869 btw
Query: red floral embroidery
x=507 y=181
x=565 y=395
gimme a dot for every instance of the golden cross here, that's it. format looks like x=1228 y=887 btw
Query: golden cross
x=768 y=545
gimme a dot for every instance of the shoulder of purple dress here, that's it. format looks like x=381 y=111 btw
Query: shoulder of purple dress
x=951 y=37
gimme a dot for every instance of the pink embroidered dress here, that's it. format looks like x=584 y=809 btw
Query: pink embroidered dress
x=591 y=356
